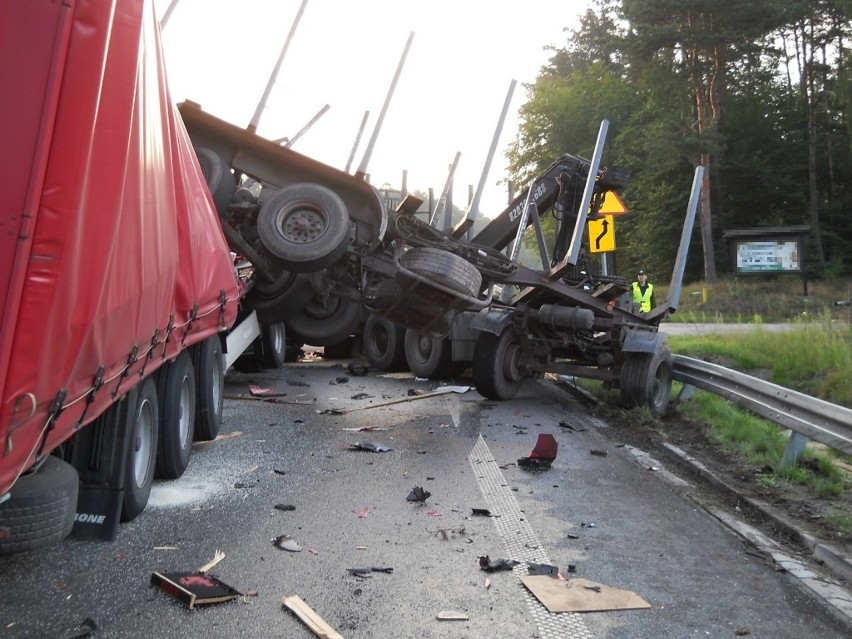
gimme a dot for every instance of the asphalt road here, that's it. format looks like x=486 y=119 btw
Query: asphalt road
x=614 y=517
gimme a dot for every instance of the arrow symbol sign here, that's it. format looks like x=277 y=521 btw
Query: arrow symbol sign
x=605 y=225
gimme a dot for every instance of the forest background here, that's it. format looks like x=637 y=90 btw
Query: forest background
x=758 y=92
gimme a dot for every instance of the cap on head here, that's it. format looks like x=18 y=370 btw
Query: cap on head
x=642 y=271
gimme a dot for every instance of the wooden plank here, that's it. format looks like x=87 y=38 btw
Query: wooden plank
x=310 y=618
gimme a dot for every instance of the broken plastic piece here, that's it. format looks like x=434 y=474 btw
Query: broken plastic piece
x=418 y=494
x=486 y=564
x=545 y=447
x=534 y=464
x=599 y=453
x=542 y=569
x=372 y=447
x=480 y=512
x=452 y=615
x=358 y=370
x=286 y=542
x=284 y=507
x=365 y=572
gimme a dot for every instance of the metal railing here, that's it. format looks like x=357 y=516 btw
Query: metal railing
x=813 y=418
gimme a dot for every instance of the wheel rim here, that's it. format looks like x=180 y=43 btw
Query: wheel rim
x=510 y=363
x=144 y=449
x=216 y=386
x=186 y=410
x=303 y=225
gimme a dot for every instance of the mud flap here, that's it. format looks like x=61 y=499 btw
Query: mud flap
x=99 y=452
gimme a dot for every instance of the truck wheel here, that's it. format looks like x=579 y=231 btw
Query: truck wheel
x=443 y=267
x=495 y=364
x=646 y=380
x=176 y=396
x=144 y=427
x=430 y=357
x=384 y=344
x=325 y=322
x=41 y=507
x=209 y=363
x=271 y=346
x=276 y=302
x=304 y=226
x=217 y=174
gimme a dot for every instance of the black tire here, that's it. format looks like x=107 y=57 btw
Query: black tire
x=40 y=509
x=209 y=362
x=384 y=344
x=144 y=424
x=646 y=380
x=305 y=227
x=443 y=267
x=276 y=302
x=325 y=322
x=431 y=357
x=271 y=346
x=217 y=174
x=176 y=395
x=495 y=370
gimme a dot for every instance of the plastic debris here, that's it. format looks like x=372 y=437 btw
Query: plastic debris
x=542 y=569
x=286 y=542
x=361 y=396
x=358 y=370
x=480 y=512
x=366 y=572
x=543 y=453
x=451 y=615
x=599 y=453
x=372 y=447
x=486 y=564
x=418 y=494
x=284 y=507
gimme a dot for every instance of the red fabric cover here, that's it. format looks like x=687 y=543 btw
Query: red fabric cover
x=114 y=231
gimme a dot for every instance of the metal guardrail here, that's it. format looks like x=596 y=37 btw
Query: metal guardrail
x=814 y=418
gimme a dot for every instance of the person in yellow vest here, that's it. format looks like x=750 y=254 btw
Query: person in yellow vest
x=643 y=292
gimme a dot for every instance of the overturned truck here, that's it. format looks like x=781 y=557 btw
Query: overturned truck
x=331 y=257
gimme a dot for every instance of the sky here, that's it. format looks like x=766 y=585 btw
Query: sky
x=448 y=98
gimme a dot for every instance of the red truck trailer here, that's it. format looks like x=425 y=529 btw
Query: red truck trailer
x=117 y=284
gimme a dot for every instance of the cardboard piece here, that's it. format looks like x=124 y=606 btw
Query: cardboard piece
x=580 y=595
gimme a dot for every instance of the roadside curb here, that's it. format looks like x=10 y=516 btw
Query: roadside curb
x=832 y=558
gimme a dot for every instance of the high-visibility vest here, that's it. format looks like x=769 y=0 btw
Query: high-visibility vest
x=643 y=300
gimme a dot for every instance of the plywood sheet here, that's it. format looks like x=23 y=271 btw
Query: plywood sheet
x=580 y=595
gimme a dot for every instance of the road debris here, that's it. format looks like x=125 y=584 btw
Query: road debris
x=580 y=595
x=372 y=447
x=362 y=396
x=543 y=453
x=366 y=572
x=284 y=507
x=486 y=564
x=258 y=391
x=480 y=512
x=311 y=619
x=542 y=569
x=286 y=542
x=451 y=615
x=418 y=494
x=599 y=453
x=218 y=556
x=194 y=588
x=358 y=370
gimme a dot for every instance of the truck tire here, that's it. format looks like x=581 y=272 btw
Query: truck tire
x=304 y=227
x=431 y=357
x=325 y=322
x=646 y=380
x=495 y=364
x=443 y=267
x=217 y=174
x=276 y=302
x=208 y=359
x=176 y=396
x=384 y=344
x=41 y=507
x=144 y=420
x=271 y=346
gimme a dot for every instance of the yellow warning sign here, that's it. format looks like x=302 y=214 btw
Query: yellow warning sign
x=602 y=234
x=612 y=204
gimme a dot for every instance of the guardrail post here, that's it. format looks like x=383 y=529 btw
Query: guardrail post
x=795 y=449
x=686 y=391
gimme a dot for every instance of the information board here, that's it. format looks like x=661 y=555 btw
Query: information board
x=768 y=256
